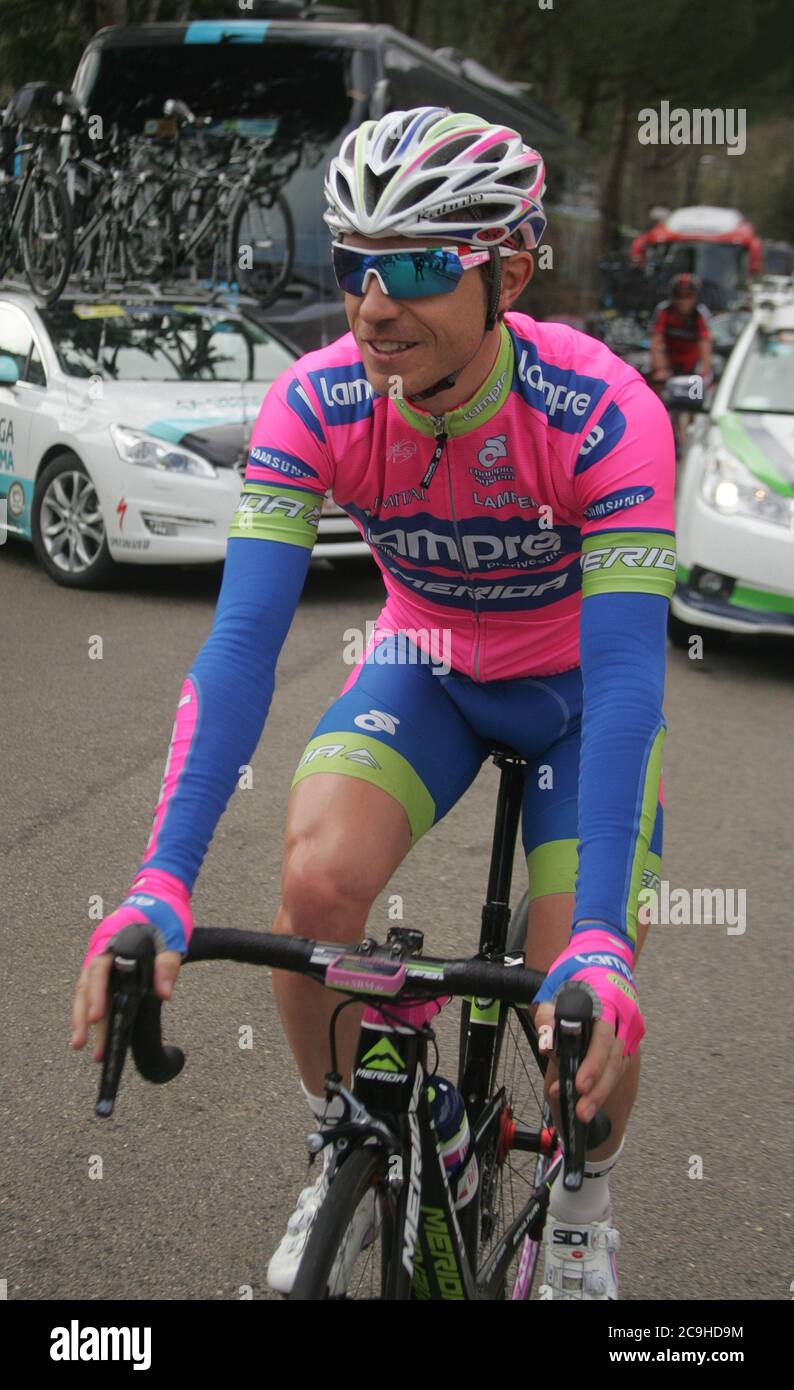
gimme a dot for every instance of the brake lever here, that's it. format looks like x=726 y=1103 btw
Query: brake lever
x=130 y=977
x=134 y=1019
x=573 y=1019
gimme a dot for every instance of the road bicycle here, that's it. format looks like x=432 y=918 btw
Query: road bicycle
x=112 y=238
x=35 y=213
x=394 y=1224
x=212 y=205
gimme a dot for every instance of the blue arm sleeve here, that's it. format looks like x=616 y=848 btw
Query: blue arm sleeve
x=233 y=678
x=623 y=650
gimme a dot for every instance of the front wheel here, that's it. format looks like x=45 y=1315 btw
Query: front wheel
x=67 y=525
x=46 y=235
x=508 y=1172
x=262 y=245
x=348 y=1251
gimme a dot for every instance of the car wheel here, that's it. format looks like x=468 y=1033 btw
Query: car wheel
x=68 y=527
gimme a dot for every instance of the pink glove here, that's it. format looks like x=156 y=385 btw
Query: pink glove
x=599 y=958
x=156 y=897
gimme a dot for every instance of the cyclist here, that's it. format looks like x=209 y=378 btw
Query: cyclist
x=680 y=332
x=514 y=481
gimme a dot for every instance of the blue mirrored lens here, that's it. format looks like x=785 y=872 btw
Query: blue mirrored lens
x=406 y=274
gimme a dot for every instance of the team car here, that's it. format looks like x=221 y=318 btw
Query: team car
x=124 y=429
x=735 y=515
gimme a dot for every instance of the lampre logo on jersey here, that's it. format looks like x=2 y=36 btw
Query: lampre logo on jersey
x=567 y=398
x=471 y=543
x=345 y=393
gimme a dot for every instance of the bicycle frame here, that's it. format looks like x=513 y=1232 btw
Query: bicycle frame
x=430 y=1249
x=32 y=168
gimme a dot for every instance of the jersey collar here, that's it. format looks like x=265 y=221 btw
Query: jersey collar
x=482 y=406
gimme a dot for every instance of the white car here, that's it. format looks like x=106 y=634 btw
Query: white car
x=124 y=427
x=735 y=512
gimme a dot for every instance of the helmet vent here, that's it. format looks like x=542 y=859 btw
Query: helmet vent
x=447 y=153
x=425 y=190
x=374 y=185
x=492 y=213
x=343 y=191
x=390 y=145
x=492 y=155
x=467 y=183
x=522 y=180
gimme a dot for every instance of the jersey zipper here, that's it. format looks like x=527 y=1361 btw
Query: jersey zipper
x=441 y=439
x=466 y=571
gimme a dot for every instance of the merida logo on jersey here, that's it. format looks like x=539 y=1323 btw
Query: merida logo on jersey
x=270 y=503
x=632 y=556
x=345 y=393
x=502 y=595
x=618 y=501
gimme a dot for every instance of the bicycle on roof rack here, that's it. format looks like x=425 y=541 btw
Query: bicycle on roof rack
x=35 y=212
x=395 y=1223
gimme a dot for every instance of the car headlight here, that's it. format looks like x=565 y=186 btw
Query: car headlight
x=730 y=487
x=135 y=446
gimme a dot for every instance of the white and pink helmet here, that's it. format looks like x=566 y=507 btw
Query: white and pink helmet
x=433 y=172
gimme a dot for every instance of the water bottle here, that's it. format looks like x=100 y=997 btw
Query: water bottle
x=454 y=1138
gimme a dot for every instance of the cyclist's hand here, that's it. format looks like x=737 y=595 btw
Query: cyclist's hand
x=156 y=897
x=601 y=960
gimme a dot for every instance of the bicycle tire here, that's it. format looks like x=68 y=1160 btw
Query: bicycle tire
x=507 y=1176
x=144 y=244
x=50 y=283
x=516 y=945
x=361 y=1174
x=268 y=276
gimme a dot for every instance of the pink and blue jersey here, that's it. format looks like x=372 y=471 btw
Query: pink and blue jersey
x=528 y=535
x=553 y=482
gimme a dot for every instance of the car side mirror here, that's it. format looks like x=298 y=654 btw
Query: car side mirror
x=9 y=371
x=684 y=393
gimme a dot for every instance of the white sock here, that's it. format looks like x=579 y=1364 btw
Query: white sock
x=591 y=1202
x=325 y=1112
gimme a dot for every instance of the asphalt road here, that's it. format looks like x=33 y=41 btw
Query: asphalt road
x=198 y=1177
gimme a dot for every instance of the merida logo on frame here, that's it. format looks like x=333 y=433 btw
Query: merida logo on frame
x=76 y=1343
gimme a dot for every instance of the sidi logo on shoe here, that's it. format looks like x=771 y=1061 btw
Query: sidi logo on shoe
x=574 y=1238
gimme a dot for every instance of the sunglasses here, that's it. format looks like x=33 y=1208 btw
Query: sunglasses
x=414 y=273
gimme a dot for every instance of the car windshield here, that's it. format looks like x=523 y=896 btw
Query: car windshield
x=722 y=268
x=162 y=342
x=766 y=380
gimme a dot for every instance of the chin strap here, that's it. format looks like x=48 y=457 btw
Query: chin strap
x=494 y=290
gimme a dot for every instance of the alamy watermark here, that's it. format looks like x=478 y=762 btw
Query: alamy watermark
x=414 y=646
x=701 y=126
x=692 y=907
